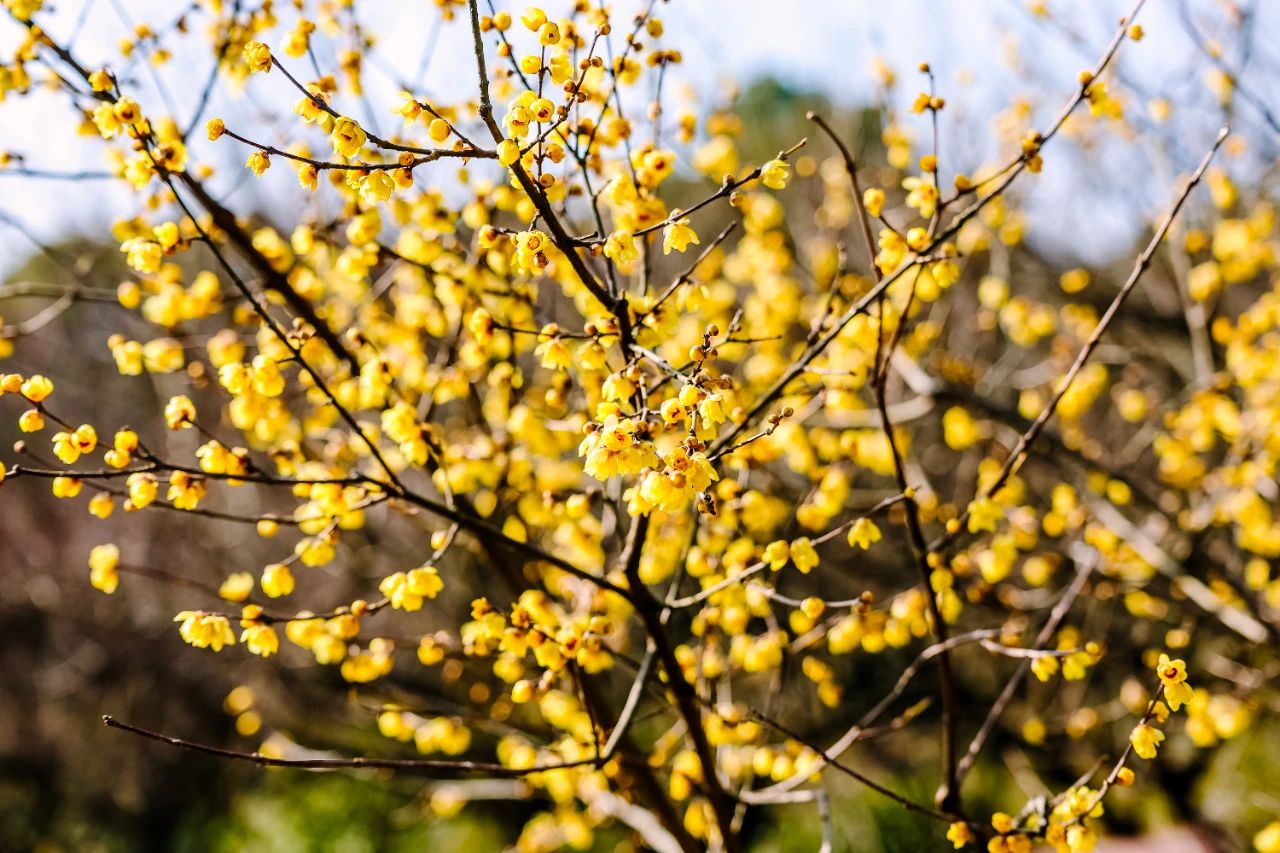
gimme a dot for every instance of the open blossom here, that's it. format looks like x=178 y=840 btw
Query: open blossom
x=620 y=247
x=407 y=590
x=681 y=477
x=347 y=136
x=1173 y=675
x=179 y=412
x=205 y=630
x=775 y=174
x=142 y=254
x=777 y=554
x=257 y=56
x=143 y=489
x=258 y=163
x=677 y=236
x=377 y=186
x=864 y=533
x=803 y=555
x=185 y=490
x=613 y=448
x=36 y=388
x=922 y=195
x=1146 y=739
x=260 y=640
x=959 y=834
x=984 y=515
x=553 y=353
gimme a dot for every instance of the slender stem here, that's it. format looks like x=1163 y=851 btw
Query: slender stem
x=421 y=765
x=1018 y=454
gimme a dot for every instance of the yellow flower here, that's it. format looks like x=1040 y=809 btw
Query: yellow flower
x=1044 y=667
x=776 y=554
x=127 y=111
x=65 y=448
x=533 y=18
x=104 y=118
x=101 y=505
x=308 y=177
x=409 y=108
x=553 y=354
x=864 y=533
x=36 y=388
x=1268 y=839
x=347 y=136
x=179 y=412
x=258 y=162
x=677 y=236
x=1145 y=740
x=1080 y=839
x=438 y=130
x=310 y=106
x=959 y=429
x=531 y=63
x=236 y=587
x=167 y=235
x=298 y=40
x=620 y=247
x=31 y=421
x=775 y=174
x=23 y=9
x=1074 y=280
x=85 y=438
x=125 y=441
x=508 y=152
x=143 y=489
x=922 y=195
x=277 y=580
x=893 y=250
x=873 y=200
x=1173 y=674
x=260 y=640
x=215 y=128
x=66 y=487
x=101 y=80
x=430 y=652
x=103 y=563
x=549 y=34
x=531 y=250
x=142 y=254
x=407 y=589
x=205 y=630
x=257 y=56
x=368 y=666
x=959 y=834
x=377 y=186
x=803 y=555
x=185 y=490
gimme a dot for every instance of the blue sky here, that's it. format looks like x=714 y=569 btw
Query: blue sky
x=986 y=52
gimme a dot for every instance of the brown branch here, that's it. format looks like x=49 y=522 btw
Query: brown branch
x=1056 y=616
x=1018 y=453
x=427 y=765
x=650 y=611
x=859 y=307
